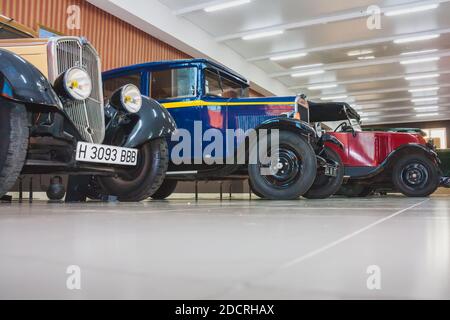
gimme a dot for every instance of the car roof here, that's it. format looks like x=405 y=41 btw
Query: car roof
x=331 y=111
x=158 y=65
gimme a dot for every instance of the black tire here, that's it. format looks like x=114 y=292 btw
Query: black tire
x=167 y=188
x=325 y=186
x=355 y=191
x=254 y=191
x=142 y=181
x=416 y=175
x=294 y=178
x=14 y=134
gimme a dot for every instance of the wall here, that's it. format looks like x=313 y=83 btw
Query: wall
x=118 y=42
x=421 y=125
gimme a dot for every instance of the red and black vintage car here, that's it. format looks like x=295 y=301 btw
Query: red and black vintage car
x=398 y=161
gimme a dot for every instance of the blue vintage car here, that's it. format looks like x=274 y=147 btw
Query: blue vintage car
x=207 y=100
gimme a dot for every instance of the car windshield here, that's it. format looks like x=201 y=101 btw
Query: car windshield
x=220 y=86
x=173 y=83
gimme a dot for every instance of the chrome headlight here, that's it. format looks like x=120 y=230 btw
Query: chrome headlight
x=128 y=98
x=75 y=83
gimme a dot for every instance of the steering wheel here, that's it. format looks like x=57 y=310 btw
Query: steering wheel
x=343 y=125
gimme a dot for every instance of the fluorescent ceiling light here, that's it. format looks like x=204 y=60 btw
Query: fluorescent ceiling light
x=263 y=35
x=288 y=56
x=432 y=108
x=334 y=98
x=411 y=10
x=427 y=114
x=370 y=119
x=226 y=5
x=418 y=38
x=420 y=77
x=418 y=52
x=307 y=66
x=424 y=89
x=359 y=52
x=366 y=58
x=307 y=73
x=322 y=86
x=420 y=60
x=425 y=99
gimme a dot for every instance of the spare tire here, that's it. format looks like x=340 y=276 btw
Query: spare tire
x=14 y=134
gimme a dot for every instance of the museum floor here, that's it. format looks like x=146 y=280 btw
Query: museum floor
x=236 y=249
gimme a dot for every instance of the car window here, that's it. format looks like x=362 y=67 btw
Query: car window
x=217 y=85
x=173 y=83
x=111 y=85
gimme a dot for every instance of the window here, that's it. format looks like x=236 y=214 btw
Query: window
x=173 y=83
x=217 y=85
x=111 y=85
x=11 y=30
x=439 y=136
x=45 y=33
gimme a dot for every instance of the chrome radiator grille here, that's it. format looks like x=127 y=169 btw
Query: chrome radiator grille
x=88 y=115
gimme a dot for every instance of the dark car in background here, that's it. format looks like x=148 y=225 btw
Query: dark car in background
x=53 y=120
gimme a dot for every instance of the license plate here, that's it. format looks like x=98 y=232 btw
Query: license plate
x=100 y=153
x=331 y=171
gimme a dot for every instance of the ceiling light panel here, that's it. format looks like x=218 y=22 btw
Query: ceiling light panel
x=410 y=10
x=263 y=35
x=420 y=60
x=421 y=77
x=417 y=38
x=288 y=56
x=307 y=73
x=226 y=5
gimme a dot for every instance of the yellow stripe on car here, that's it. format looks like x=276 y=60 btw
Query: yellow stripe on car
x=197 y=103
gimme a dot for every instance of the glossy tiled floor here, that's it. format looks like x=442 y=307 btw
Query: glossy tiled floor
x=236 y=249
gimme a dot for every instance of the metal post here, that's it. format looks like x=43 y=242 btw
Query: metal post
x=249 y=190
x=221 y=190
x=31 y=190
x=231 y=186
x=196 y=190
x=20 y=190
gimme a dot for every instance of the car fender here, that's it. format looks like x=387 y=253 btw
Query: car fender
x=153 y=121
x=410 y=148
x=294 y=125
x=391 y=159
x=23 y=82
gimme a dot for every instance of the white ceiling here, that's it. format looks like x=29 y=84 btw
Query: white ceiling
x=327 y=30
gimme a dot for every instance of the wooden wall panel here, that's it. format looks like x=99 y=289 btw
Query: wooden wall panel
x=118 y=42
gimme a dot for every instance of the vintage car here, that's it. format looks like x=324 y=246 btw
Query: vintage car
x=398 y=161
x=201 y=91
x=53 y=120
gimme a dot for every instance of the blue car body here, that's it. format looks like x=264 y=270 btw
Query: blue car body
x=214 y=111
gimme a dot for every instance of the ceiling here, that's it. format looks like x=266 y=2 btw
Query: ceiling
x=325 y=32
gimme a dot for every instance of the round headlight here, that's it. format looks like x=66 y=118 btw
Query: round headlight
x=131 y=98
x=77 y=83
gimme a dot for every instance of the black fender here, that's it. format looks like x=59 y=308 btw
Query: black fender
x=23 y=82
x=394 y=155
x=326 y=137
x=152 y=121
x=294 y=125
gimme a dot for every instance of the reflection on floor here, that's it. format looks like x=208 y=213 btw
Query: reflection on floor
x=380 y=247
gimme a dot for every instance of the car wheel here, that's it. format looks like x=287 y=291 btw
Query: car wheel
x=167 y=188
x=355 y=191
x=416 y=176
x=292 y=176
x=325 y=186
x=14 y=134
x=142 y=181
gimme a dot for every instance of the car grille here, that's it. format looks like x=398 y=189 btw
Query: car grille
x=88 y=115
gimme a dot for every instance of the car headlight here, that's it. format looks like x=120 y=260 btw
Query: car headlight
x=129 y=98
x=75 y=84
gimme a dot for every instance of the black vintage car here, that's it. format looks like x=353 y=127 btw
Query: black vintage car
x=53 y=120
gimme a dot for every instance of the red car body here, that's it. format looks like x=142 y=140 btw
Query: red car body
x=370 y=149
